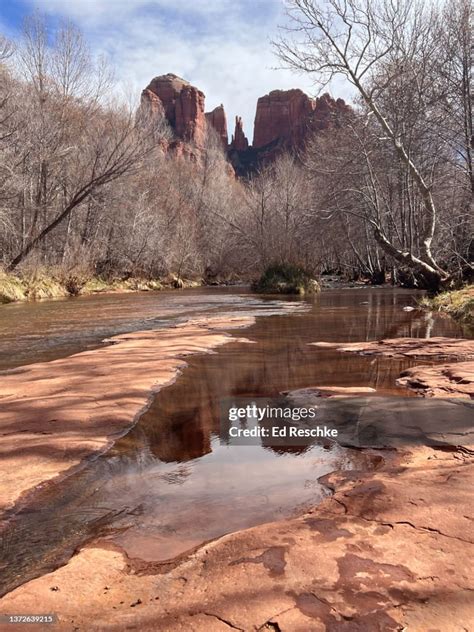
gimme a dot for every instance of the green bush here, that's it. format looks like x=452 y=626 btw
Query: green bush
x=285 y=278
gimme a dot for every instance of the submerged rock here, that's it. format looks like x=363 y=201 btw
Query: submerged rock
x=449 y=380
x=437 y=347
x=307 y=396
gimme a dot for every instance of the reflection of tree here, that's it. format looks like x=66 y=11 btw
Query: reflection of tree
x=178 y=476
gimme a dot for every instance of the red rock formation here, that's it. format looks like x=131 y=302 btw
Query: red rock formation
x=287 y=116
x=151 y=106
x=282 y=114
x=239 y=140
x=183 y=106
x=327 y=112
x=218 y=120
x=283 y=120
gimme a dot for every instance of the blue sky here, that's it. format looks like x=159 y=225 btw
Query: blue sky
x=221 y=46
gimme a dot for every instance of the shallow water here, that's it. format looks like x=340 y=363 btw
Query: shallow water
x=169 y=484
x=46 y=330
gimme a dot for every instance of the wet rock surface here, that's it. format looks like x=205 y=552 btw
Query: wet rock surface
x=437 y=348
x=54 y=414
x=455 y=379
x=389 y=550
x=447 y=380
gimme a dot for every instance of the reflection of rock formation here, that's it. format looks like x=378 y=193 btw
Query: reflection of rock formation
x=176 y=432
x=185 y=417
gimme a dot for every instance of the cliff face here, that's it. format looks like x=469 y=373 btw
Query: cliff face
x=282 y=115
x=218 y=120
x=288 y=116
x=151 y=105
x=182 y=105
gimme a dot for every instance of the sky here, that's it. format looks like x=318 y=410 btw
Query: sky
x=221 y=46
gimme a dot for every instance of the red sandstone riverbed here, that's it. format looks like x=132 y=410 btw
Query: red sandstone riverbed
x=390 y=549
x=55 y=414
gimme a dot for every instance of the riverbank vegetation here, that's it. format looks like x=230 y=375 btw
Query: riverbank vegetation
x=42 y=284
x=286 y=279
x=458 y=303
x=402 y=169
x=383 y=194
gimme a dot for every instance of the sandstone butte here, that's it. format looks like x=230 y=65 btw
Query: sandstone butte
x=283 y=120
x=218 y=120
x=183 y=107
x=287 y=116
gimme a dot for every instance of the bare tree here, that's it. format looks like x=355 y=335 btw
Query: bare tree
x=74 y=145
x=385 y=49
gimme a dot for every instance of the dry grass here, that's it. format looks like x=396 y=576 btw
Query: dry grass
x=43 y=284
x=459 y=304
x=11 y=288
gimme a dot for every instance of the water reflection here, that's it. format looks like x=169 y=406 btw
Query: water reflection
x=169 y=485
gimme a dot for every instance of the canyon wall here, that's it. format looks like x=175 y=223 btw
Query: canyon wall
x=289 y=116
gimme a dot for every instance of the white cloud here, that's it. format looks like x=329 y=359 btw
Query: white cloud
x=221 y=46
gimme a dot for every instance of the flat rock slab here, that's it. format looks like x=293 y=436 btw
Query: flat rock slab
x=446 y=380
x=390 y=550
x=53 y=415
x=449 y=380
x=312 y=394
x=436 y=348
x=401 y=422
x=386 y=422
